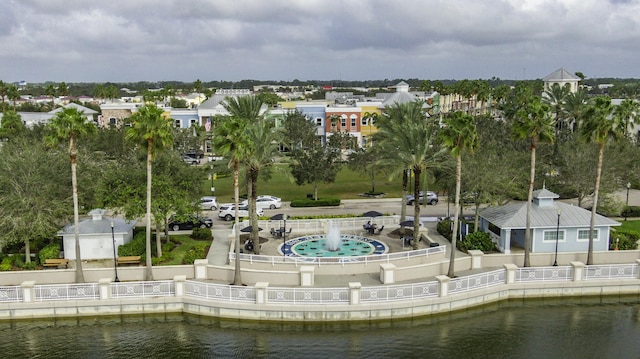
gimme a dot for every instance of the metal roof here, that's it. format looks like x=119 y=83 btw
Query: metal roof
x=561 y=75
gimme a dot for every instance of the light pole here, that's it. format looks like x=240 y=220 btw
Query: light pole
x=284 y=231
x=212 y=175
x=115 y=260
x=555 y=261
x=627 y=207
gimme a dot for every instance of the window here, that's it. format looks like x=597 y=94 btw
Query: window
x=113 y=121
x=354 y=120
x=363 y=121
x=550 y=236
x=583 y=235
x=177 y=123
x=193 y=123
x=319 y=122
x=343 y=121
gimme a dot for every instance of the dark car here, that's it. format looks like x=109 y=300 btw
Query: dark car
x=432 y=198
x=190 y=223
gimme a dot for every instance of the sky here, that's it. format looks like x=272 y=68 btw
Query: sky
x=232 y=40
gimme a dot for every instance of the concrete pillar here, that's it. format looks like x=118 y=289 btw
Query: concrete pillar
x=178 y=282
x=578 y=271
x=476 y=258
x=104 y=288
x=510 y=276
x=261 y=292
x=306 y=276
x=28 y=294
x=200 y=269
x=386 y=273
x=354 y=288
x=444 y=285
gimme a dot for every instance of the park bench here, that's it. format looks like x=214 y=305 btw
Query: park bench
x=56 y=262
x=128 y=260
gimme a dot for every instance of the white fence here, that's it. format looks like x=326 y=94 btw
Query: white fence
x=400 y=292
x=611 y=271
x=51 y=292
x=545 y=274
x=477 y=281
x=142 y=289
x=308 y=295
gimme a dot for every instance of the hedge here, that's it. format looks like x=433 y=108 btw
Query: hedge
x=321 y=202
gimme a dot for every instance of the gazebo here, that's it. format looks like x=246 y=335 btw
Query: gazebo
x=549 y=218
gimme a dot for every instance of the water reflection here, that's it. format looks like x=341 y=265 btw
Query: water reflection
x=591 y=328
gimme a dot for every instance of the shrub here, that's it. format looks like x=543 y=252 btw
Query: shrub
x=134 y=248
x=476 y=241
x=321 y=202
x=51 y=251
x=9 y=262
x=199 y=251
x=445 y=228
x=627 y=239
x=6 y=265
x=29 y=266
x=631 y=211
x=201 y=234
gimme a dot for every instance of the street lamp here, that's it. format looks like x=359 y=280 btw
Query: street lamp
x=555 y=262
x=627 y=207
x=115 y=260
x=284 y=231
x=212 y=175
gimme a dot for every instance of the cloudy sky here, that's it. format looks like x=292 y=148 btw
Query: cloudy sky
x=184 y=40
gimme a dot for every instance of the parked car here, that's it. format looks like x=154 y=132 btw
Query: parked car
x=190 y=223
x=432 y=198
x=228 y=211
x=266 y=202
x=209 y=203
x=195 y=154
x=190 y=160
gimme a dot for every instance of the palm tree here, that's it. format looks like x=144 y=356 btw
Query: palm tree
x=458 y=135
x=599 y=126
x=627 y=114
x=574 y=106
x=555 y=98
x=3 y=92
x=408 y=136
x=150 y=127
x=69 y=125
x=50 y=90
x=532 y=121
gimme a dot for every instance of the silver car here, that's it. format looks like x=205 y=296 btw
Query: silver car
x=209 y=203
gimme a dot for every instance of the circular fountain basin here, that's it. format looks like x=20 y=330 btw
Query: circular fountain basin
x=316 y=246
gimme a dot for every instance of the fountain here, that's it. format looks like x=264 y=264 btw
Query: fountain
x=332 y=241
x=332 y=244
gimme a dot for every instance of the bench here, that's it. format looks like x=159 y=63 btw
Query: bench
x=129 y=260
x=56 y=262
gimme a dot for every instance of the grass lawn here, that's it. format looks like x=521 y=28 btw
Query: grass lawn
x=348 y=185
x=184 y=243
x=631 y=225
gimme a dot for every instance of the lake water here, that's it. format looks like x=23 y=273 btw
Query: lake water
x=566 y=328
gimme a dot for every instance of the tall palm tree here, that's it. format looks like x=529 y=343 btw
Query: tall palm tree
x=555 y=98
x=408 y=137
x=532 y=122
x=599 y=126
x=69 y=125
x=3 y=92
x=627 y=114
x=574 y=105
x=458 y=135
x=150 y=127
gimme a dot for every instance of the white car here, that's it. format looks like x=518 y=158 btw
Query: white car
x=266 y=202
x=209 y=203
x=228 y=211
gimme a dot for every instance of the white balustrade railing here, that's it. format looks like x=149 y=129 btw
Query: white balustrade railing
x=220 y=291
x=399 y=292
x=51 y=292
x=308 y=295
x=545 y=274
x=142 y=289
x=611 y=271
x=11 y=294
x=476 y=281
x=254 y=258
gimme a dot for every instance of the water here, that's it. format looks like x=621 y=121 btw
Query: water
x=594 y=328
x=333 y=237
x=317 y=245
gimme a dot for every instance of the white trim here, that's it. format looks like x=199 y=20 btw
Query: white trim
x=561 y=236
x=596 y=235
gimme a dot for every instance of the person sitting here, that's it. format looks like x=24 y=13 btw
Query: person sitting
x=248 y=245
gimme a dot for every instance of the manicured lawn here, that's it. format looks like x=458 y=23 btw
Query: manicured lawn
x=348 y=185
x=631 y=225
x=183 y=244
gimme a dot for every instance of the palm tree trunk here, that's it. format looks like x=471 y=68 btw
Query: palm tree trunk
x=416 y=207
x=527 y=233
x=158 y=239
x=237 y=276
x=595 y=204
x=148 y=273
x=403 y=209
x=255 y=238
x=76 y=215
x=454 y=233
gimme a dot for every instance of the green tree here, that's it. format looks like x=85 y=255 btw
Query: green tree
x=407 y=137
x=70 y=125
x=3 y=93
x=11 y=125
x=50 y=91
x=459 y=135
x=534 y=123
x=151 y=128
x=627 y=114
x=599 y=127
x=555 y=98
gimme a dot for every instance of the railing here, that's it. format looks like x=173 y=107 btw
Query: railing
x=142 y=289
x=52 y=292
x=254 y=258
x=611 y=271
x=400 y=292
x=477 y=281
x=545 y=274
x=219 y=291
x=10 y=294
x=308 y=295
